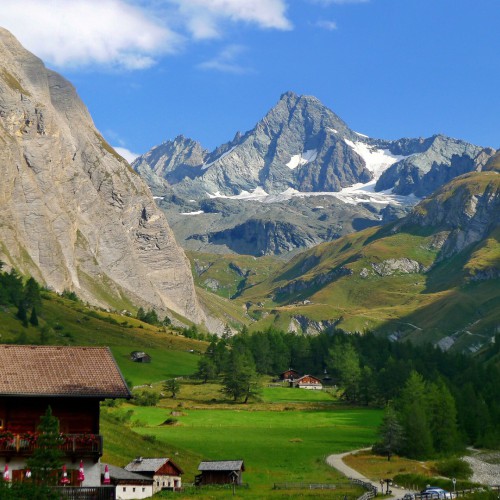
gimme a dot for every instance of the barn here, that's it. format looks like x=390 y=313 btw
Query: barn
x=220 y=472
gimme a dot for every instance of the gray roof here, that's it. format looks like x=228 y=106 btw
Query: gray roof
x=120 y=474
x=146 y=464
x=222 y=465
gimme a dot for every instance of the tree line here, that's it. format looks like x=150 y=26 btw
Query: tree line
x=440 y=400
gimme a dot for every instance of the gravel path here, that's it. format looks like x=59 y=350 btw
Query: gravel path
x=336 y=461
x=484 y=472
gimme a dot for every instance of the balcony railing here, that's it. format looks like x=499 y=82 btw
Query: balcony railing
x=73 y=445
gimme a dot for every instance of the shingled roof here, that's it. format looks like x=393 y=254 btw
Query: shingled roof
x=60 y=371
x=221 y=465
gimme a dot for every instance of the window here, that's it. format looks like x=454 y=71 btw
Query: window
x=158 y=483
x=143 y=490
x=133 y=490
x=124 y=488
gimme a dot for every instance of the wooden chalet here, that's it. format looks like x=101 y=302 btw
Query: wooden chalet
x=165 y=473
x=129 y=485
x=308 y=382
x=289 y=375
x=220 y=472
x=72 y=381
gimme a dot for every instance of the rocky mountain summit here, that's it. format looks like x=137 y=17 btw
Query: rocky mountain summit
x=300 y=149
x=73 y=213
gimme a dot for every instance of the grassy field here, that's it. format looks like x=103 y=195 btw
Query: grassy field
x=278 y=442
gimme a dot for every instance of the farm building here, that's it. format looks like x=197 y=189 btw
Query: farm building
x=220 y=472
x=140 y=357
x=72 y=381
x=129 y=485
x=308 y=382
x=165 y=473
x=289 y=375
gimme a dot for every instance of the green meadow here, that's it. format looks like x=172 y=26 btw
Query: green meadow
x=287 y=445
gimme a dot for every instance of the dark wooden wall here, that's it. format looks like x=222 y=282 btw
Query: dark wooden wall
x=76 y=415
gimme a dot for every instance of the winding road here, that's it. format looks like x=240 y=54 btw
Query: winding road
x=336 y=461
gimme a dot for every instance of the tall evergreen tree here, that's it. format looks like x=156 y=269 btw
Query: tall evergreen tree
x=391 y=433
x=34 y=317
x=443 y=418
x=206 y=369
x=47 y=457
x=413 y=413
x=240 y=377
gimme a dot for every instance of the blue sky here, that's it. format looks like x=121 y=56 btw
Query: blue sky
x=149 y=70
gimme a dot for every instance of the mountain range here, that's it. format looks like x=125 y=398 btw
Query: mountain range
x=313 y=177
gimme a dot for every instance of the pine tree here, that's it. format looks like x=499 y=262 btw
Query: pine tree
x=443 y=418
x=47 y=457
x=22 y=314
x=240 y=377
x=413 y=413
x=391 y=432
x=34 y=317
x=206 y=369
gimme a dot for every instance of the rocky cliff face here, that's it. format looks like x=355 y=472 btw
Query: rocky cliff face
x=466 y=211
x=73 y=213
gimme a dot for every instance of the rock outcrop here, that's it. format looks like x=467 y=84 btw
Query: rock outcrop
x=465 y=210
x=73 y=213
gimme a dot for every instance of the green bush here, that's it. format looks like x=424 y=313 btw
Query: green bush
x=146 y=398
x=454 y=467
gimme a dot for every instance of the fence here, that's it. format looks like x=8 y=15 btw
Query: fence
x=308 y=486
x=85 y=493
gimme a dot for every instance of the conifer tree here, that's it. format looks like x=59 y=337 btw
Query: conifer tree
x=47 y=457
x=34 y=317
x=391 y=432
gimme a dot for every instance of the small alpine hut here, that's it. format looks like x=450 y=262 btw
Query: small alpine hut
x=140 y=357
x=220 y=472
x=308 y=382
x=289 y=375
x=165 y=473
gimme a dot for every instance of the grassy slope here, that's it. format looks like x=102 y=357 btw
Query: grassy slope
x=424 y=306
x=74 y=324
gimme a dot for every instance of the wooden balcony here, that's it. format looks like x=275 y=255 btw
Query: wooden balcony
x=74 y=446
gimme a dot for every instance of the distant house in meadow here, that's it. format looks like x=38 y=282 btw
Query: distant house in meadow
x=165 y=473
x=220 y=472
x=129 y=485
x=72 y=381
x=140 y=357
x=308 y=382
x=289 y=375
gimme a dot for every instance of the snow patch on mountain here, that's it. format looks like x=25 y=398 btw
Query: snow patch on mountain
x=302 y=159
x=376 y=160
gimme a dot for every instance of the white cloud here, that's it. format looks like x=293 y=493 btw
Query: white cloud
x=75 y=33
x=327 y=25
x=226 y=61
x=126 y=153
x=128 y=34
x=203 y=17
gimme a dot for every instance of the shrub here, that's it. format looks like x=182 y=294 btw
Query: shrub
x=454 y=467
x=146 y=398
